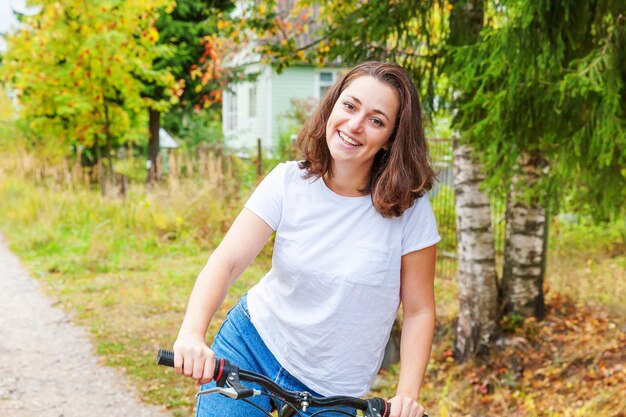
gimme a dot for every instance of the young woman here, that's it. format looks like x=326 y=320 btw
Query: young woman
x=355 y=238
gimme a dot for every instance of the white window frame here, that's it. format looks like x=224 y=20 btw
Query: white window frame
x=252 y=101
x=319 y=84
x=230 y=111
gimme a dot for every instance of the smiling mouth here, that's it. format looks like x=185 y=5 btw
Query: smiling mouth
x=348 y=140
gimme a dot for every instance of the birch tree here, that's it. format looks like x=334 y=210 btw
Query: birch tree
x=525 y=247
x=545 y=117
x=477 y=324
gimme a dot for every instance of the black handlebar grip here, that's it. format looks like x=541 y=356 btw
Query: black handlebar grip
x=166 y=358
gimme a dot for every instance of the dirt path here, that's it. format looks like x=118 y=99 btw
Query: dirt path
x=47 y=365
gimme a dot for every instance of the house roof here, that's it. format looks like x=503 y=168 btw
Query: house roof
x=166 y=141
x=246 y=52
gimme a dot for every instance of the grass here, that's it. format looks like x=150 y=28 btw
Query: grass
x=125 y=267
x=588 y=263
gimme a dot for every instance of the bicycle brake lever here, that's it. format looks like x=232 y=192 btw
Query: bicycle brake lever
x=229 y=392
x=228 y=376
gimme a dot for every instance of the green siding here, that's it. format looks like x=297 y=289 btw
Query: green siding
x=293 y=82
x=274 y=92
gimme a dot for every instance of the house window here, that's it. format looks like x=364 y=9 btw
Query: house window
x=252 y=101
x=326 y=80
x=231 y=111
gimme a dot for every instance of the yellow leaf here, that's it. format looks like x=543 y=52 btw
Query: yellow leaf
x=152 y=35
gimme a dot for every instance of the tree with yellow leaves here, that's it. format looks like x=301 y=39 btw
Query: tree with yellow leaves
x=78 y=69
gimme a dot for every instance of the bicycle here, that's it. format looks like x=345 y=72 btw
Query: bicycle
x=228 y=378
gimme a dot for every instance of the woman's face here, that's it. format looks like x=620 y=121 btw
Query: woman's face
x=361 y=122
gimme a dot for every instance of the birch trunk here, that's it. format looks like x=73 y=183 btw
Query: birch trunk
x=478 y=288
x=524 y=249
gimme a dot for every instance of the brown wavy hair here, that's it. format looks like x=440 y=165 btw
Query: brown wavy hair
x=401 y=172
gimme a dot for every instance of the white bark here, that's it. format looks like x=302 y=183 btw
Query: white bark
x=524 y=254
x=478 y=291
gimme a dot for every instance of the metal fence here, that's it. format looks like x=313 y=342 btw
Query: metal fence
x=442 y=200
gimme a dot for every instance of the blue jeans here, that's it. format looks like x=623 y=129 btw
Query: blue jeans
x=239 y=342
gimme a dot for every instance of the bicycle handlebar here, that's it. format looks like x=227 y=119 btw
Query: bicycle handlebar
x=228 y=375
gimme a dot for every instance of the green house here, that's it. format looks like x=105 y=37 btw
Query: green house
x=256 y=110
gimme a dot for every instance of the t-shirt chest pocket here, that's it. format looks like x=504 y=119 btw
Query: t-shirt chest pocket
x=366 y=263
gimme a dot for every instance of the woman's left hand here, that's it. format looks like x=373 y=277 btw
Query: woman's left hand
x=405 y=406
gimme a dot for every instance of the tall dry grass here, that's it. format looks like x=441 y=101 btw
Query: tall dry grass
x=196 y=201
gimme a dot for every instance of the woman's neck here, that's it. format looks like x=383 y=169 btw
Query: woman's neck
x=347 y=182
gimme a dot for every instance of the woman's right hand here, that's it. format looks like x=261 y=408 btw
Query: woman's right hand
x=194 y=359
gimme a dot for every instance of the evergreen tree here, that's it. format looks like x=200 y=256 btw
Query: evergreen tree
x=189 y=31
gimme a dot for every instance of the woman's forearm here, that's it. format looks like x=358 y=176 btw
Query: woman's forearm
x=415 y=347
x=206 y=298
x=240 y=246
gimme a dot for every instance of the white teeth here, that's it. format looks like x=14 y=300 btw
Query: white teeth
x=348 y=140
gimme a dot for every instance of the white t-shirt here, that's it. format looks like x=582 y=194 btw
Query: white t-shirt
x=326 y=307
